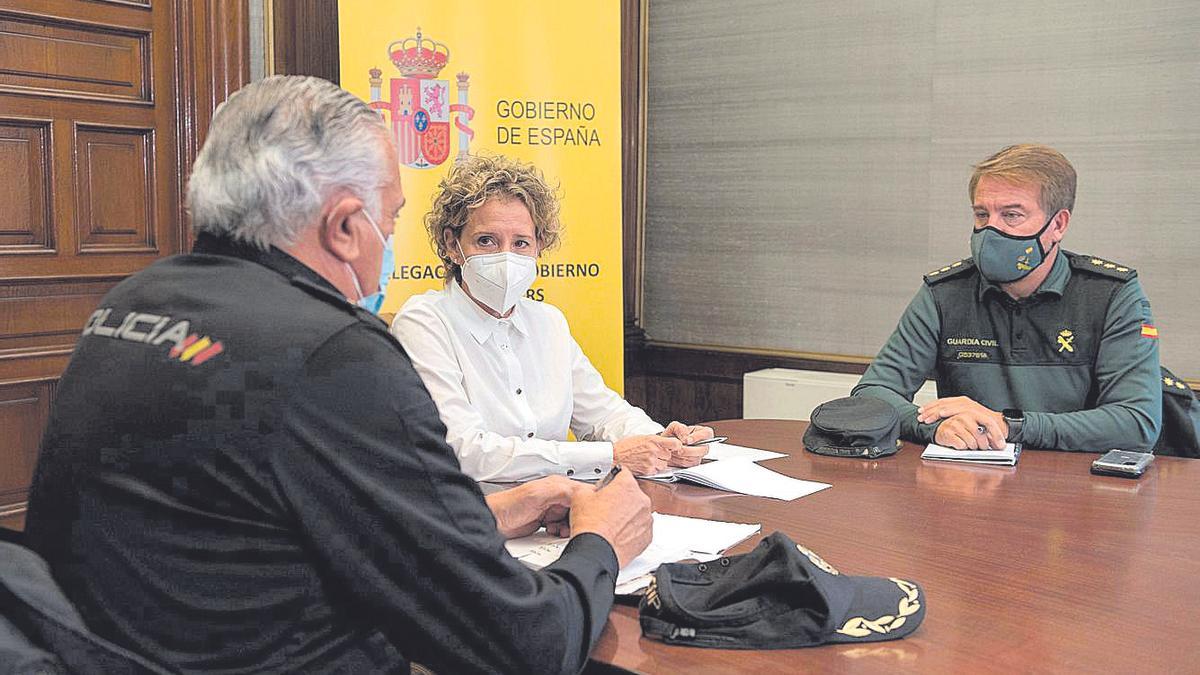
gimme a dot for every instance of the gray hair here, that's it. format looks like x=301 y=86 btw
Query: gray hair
x=276 y=150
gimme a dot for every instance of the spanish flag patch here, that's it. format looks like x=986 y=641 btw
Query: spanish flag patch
x=1149 y=331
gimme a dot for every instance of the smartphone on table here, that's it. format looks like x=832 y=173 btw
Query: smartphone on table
x=1122 y=463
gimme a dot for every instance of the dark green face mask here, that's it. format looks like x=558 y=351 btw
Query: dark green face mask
x=1003 y=258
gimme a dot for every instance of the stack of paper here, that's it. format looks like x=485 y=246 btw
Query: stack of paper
x=675 y=538
x=717 y=451
x=744 y=477
x=1006 y=457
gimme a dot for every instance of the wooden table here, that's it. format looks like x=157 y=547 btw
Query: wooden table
x=1041 y=567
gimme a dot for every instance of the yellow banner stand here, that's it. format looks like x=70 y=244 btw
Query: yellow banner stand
x=538 y=80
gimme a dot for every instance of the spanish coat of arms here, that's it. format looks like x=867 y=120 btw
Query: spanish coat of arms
x=420 y=109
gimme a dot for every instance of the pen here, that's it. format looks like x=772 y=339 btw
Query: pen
x=609 y=478
x=982 y=430
x=714 y=439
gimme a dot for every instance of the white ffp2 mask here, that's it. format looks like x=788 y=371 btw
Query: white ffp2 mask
x=498 y=280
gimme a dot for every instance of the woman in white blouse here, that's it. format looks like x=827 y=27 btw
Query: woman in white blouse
x=507 y=377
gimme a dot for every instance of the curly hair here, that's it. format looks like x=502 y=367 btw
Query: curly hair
x=473 y=181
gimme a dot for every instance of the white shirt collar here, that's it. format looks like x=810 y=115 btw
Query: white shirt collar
x=479 y=323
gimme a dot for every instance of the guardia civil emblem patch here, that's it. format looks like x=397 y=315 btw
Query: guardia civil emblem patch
x=1066 y=341
x=1023 y=260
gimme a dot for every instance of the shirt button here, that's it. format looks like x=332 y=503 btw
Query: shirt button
x=518 y=392
x=597 y=469
x=529 y=435
x=570 y=472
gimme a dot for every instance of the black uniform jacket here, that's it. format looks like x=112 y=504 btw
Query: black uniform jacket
x=243 y=473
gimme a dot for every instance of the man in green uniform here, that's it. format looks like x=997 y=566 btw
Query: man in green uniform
x=1055 y=351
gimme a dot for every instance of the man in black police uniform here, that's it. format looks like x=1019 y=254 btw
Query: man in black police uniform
x=243 y=472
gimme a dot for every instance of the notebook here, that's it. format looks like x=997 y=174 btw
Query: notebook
x=1006 y=457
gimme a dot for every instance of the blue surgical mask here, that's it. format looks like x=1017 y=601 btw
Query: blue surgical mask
x=373 y=302
x=1003 y=258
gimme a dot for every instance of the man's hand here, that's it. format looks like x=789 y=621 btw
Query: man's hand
x=688 y=455
x=544 y=502
x=646 y=455
x=967 y=426
x=619 y=512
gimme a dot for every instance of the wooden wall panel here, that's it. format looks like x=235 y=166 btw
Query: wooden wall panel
x=211 y=62
x=47 y=314
x=114 y=190
x=633 y=164
x=26 y=219
x=105 y=105
x=306 y=38
x=691 y=383
x=24 y=409
x=60 y=57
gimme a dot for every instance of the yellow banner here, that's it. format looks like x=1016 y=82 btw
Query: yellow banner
x=537 y=80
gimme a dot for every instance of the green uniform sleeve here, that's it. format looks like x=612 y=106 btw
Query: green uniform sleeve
x=1128 y=412
x=907 y=359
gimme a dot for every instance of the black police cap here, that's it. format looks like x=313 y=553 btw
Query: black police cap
x=778 y=596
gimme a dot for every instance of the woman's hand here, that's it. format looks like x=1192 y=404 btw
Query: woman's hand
x=688 y=435
x=688 y=455
x=646 y=455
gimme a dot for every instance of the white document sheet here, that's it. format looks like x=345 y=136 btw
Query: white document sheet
x=675 y=538
x=744 y=477
x=718 y=451
x=699 y=535
x=536 y=550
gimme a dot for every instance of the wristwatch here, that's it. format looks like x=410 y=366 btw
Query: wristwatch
x=1015 y=419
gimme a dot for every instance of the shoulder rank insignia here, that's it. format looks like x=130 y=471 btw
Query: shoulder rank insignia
x=1090 y=263
x=1174 y=386
x=952 y=270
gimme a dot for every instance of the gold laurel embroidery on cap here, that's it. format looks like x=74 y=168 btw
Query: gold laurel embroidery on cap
x=945 y=269
x=909 y=604
x=957 y=264
x=1109 y=266
x=1122 y=269
x=817 y=560
x=1169 y=382
x=1097 y=261
x=1181 y=385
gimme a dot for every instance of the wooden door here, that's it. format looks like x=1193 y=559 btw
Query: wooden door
x=102 y=105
